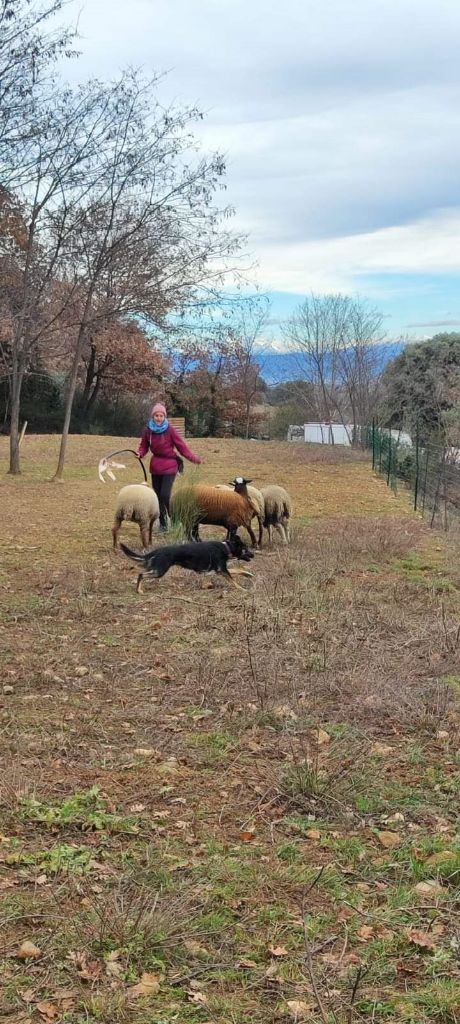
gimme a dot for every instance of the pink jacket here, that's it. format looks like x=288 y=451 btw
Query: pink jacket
x=163 y=461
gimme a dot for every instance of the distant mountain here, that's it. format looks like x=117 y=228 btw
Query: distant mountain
x=277 y=367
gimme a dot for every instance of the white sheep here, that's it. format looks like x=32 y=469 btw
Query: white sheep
x=257 y=501
x=278 y=511
x=139 y=504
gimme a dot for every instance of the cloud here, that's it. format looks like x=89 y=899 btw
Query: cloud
x=339 y=122
x=428 y=245
x=436 y=323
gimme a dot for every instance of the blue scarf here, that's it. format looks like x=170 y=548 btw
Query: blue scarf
x=158 y=429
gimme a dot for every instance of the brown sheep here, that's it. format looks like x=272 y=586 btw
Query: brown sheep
x=201 y=504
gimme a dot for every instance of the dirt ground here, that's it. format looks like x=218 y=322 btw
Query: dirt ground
x=222 y=807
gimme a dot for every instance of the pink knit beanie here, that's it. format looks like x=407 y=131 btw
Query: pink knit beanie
x=159 y=407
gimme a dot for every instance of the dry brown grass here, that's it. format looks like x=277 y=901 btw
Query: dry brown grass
x=196 y=715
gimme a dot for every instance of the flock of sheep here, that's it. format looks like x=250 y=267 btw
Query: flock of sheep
x=232 y=507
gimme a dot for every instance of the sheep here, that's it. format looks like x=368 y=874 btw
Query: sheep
x=278 y=511
x=257 y=500
x=213 y=506
x=138 y=503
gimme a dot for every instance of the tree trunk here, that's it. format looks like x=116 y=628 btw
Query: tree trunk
x=92 y=397
x=248 y=420
x=69 y=405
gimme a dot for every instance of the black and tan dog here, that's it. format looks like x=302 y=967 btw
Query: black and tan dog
x=209 y=556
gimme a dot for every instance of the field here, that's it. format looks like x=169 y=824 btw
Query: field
x=222 y=807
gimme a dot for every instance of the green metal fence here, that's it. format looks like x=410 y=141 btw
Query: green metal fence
x=429 y=471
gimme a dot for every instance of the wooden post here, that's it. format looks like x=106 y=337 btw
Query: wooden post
x=24 y=428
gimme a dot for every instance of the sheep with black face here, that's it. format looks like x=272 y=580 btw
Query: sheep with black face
x=257 y=500
x=202 y=504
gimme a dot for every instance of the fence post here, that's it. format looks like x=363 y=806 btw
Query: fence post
x=416 y=469
x=438 y=489
x=389 y=458
x=444 y=480
x=425 y=479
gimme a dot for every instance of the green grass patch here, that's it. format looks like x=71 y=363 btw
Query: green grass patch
x=87 y=811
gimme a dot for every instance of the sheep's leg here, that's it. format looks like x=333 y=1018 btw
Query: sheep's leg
x=281 y=531
x=252 y=536
x=270 y=533
x=115 y=531
x=194 y=534
x=139 y=588
x=261 y=530
x=151 y=525
x=144 y=535
x=287 y=527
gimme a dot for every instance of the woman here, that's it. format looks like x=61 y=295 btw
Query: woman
x=162 y=438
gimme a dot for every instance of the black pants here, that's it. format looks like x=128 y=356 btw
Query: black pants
x=163 y=485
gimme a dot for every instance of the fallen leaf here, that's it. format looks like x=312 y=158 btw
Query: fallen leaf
x=381 y=749
x=149 y=985
x=278 y=951
x=407 y=967
x=389 y=839
x=88 y=970
x=247 y=836
x=365 y=933
x=363 y=886
x=144 y=752
x=28 y=995
x=298 y=1009
x=48 y=1010
x=28 y=951
x=322 y=737
x=197 y=998
x=422 y=939
x=81 y=670
x=442 y=857
x=313 y=833
x=272 y=975
x=345 y=914
x=112 y=964
x=195 y=948
x=41 y=880
x=248 y=964
x=428 y=887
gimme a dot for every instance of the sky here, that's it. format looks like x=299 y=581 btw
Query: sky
x=340 y=124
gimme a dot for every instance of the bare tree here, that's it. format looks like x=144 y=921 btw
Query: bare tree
x=333 y=339
x=249 y=319
x=30 y=44
x=360 y=366
x=56 y=165
x=148 y=237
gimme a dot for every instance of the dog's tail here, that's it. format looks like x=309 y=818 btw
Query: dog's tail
x=136 y=556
